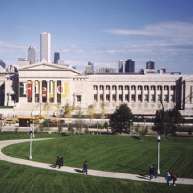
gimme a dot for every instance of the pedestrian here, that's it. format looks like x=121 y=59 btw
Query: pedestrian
x=168 y=177
x=174 y=178
x=150 y=172
x=85 y=167
x=61 y=161
x=154 y=170
x=57 y=163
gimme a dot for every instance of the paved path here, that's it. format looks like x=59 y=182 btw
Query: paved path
x=97 y=173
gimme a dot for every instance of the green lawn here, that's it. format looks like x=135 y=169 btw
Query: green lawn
x=113 y=153
x=24 y=135
x=22 y=179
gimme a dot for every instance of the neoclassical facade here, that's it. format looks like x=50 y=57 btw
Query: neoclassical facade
x=46 y=88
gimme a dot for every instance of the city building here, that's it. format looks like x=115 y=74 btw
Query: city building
x=129 y=66
x=22 y=62
x=89 y=69
x=56 y=57
x=121 y=66
x=31 y=55
x=105 y=70
x=46 y=88
x=45 y=47
x=150 y=65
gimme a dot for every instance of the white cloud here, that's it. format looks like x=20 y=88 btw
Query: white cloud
x=166 y=30
x=11 y=46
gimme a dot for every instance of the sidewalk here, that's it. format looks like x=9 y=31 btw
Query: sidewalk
x=117 y=175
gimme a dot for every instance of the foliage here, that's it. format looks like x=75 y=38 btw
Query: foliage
x=167 y=121
x=121 y=119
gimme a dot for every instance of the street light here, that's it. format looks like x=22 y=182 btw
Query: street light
x=158 y=154
x=30 y=147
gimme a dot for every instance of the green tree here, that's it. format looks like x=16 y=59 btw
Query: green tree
x=121 y=119
x=166 y=122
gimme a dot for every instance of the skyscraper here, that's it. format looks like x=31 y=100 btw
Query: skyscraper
x=129 y=66
x=31 y=55
x=121 y=66
x=56 y=57
x=45 y=47
x=150 y=65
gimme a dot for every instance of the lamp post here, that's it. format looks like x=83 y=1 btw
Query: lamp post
x=30 y=146
x=158 y=154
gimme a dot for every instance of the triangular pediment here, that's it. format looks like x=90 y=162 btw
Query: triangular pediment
x=47 y=67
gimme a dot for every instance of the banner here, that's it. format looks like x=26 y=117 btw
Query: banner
x=29 y=91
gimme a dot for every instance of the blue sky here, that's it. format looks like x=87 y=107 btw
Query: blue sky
x=101 y=31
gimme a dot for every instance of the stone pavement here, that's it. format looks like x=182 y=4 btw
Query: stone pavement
x=117 y=175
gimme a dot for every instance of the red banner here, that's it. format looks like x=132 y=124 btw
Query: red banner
x=29 y=89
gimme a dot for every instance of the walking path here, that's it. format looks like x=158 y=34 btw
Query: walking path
x=4 y=143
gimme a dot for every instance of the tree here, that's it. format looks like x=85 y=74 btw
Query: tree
x=121 y=119
x=166 y=122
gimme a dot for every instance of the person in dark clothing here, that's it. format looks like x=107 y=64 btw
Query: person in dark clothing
x=174 y=178
x=168 y=177
x=85 y=167
x=154 y=171
x=151 y=171
x=61 y=161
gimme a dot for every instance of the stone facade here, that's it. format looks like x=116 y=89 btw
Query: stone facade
x=47 y=88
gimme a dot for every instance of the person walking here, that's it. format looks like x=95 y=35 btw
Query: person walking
x=168 y=177
x=85 y=167
x=174 y=178
x=151 y=172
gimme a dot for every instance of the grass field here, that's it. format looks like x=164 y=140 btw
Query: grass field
x=113 y=153
x=22 y=179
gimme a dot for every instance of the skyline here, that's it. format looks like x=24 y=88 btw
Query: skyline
x=103 y=32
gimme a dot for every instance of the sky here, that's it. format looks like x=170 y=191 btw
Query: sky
x=101 y=31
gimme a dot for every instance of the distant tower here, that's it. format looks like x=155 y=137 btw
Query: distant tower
x=45 y=47
x=89 y=68
x=31 y=55
x=121 y=66
x=56 y=57
x=129 y=66
x=150 y=65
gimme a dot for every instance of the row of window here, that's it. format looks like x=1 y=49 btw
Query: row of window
x=133 y=98
x=133 y=87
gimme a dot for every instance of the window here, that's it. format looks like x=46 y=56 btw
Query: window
x=166 y=98
x=172 y=98
x=159 y=97
x=114 y=97
x=107 y=87
x=126 y=87
x=132 y=87
x=120 y=87
x=127 y=97
x=153 y=98
x=78 y=97
x=108 y=97
x=114 y=87
x=101 y=97
x=95 y=87
x=101 y=87
x=120 y=97
x=152 y=87
x=173 y=87
x=159 y=87
x=140 y=97
x=166 y=87
x=133 y=98
x=146 y=97
x=139 y=87
x=22 y=90
x=95 y=97
x=146 y=87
